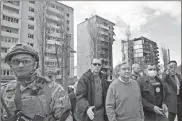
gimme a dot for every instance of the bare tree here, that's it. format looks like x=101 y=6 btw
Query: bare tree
x=93 y=31
x=61 y=45
x=130 y=45
x=58 y=54
x=62 y=50
x=44 y=30
x=164 y=56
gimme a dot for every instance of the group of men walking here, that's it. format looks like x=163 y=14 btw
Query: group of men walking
x=129 y=97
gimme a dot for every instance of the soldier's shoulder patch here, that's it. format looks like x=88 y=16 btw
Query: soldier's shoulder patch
x=60 y=93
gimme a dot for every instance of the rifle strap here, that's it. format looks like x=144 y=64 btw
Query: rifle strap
x=17 y=99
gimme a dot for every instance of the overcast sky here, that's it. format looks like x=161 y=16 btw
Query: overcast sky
x=158 y=21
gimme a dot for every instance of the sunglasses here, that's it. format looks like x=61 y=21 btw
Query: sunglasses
x=150 y=69
x=95 y=64
x=26 y=62
x=125 y=69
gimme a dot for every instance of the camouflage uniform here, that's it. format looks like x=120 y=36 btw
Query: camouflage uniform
x=40 y=97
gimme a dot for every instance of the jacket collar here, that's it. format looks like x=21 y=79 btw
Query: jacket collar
x=147 y=80
x=90 y=75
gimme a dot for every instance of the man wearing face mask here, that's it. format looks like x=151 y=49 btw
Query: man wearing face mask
x=173 y=80
x=34 y=97
x=154 y=95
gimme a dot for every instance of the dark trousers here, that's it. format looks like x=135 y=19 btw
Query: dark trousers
x=172 y=116
x=158 y=118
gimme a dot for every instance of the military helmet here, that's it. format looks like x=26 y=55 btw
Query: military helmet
x=22 y=49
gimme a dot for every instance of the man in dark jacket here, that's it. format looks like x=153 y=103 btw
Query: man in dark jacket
x=173 y=81
x=180 y=109
x=91 y=94
x=135 y=71
x=154 y=95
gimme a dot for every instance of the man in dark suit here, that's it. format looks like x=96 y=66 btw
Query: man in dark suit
x=91 y=94
x=173 y=80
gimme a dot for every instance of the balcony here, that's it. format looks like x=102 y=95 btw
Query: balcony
x=50 y=59
x=157 y=54
x=55 y=34
x=53 y=26
x=155 y=47
x=156 y=51
x=31 y=22
x=31 y=13
x=11 y=4
x=10 y=24
x=4 y=66
x=32 y=5
x=104 y=27
x=53 y=9
x=51 y=50
x=11 y=14
x=104 y=33
x=4 y=33
x=7 y=44
x=146 y=51
x=55 y=18
x=103 y=39
x=3 y=54
x=102 y=52
x=104 y=46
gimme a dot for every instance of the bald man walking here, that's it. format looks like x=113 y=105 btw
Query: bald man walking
x=135 y=71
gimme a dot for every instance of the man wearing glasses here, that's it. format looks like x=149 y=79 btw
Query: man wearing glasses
x=173 y=80
x=34 y=98
x=123 y=101
x=91 y=92
x=154 y=95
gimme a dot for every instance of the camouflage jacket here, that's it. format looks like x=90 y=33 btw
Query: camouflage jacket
x=42 y=97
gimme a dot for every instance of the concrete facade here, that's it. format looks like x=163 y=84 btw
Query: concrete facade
x=103 y=32
x=143 y=51
x=19 y=25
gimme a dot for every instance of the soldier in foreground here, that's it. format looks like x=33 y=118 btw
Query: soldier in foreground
x=34 y=98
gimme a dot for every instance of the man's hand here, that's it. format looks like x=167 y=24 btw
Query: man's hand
x=90 y=112
x=158 y=110
x=164 y=107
